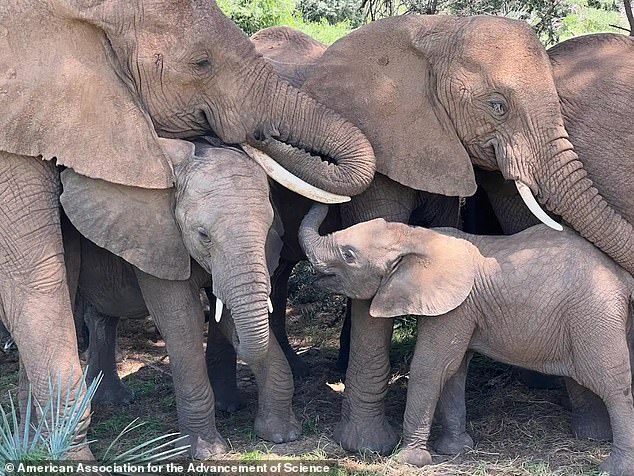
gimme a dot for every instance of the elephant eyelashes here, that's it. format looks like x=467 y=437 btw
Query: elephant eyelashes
x=499 y=107
x=203 y=235
x=203 y=64
x=349 y=256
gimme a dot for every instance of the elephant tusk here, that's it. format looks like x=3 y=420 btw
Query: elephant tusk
x=534 y=207
x=270 y=304
x=290 y=181
x=219 y=308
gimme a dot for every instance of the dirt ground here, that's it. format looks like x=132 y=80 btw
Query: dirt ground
x=517 y=430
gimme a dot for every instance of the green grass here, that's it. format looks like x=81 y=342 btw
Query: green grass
x=585 y=19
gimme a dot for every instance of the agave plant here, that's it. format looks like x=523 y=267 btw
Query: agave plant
x=47 y=434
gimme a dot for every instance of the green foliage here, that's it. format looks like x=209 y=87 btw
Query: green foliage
x=254 y=15
x=588 y=16
x=48 y=433
x=323 y=31
x=333 y=11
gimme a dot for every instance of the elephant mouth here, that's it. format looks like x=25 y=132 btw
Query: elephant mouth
x=329 y=282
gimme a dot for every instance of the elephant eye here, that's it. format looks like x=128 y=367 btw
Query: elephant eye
x=498 y=106
x=203 y=235
x=349 y=256
x=202 y=64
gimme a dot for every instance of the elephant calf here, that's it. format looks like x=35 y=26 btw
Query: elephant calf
x=540 y=299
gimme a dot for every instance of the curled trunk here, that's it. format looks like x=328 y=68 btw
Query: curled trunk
x=313 y=142
x=314 y=245
x=566 y=190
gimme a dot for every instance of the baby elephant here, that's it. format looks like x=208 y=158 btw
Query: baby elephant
x=545 y=300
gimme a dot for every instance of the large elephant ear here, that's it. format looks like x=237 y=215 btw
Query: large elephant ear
x=62 y=96
x=134 y=223
x=380 y=80
x=434 y=276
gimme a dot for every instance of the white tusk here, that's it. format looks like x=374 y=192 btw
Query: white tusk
x=534 y=207
x=270 y=304
x=219 y=308
x=290 y=181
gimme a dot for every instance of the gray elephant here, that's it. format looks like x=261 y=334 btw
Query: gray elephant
x=545 y=300
x=94 y=84
x=162 y=228
x=435 y=96
x=592 y=75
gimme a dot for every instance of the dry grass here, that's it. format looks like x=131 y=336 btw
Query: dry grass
x=518 y=431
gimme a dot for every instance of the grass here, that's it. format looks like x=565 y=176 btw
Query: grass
x=586 y=19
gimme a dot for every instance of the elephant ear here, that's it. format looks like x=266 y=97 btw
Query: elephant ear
x=134 y=223
x=434 y=277
x=385 y=86
x=62 y=96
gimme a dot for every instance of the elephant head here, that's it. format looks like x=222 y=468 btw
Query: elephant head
x=226 y=224
x=93 y=83
x=436 y=94
x=402 y=269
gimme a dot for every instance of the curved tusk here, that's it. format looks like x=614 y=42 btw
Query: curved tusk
x=534 y=207
x=270 y=304
x=219 y=308
x=290 y=181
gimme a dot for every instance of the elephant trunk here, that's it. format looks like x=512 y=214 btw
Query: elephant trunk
x=313 y=142
x=316 y=247
x=565 y=189
x=247 y=295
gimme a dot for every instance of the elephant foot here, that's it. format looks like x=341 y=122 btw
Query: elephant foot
x=449 y=444
x=590 y=426
x=299 y=368
x=276 y=428
x=375 y=435
x=207 y=448
x=113 y=393
x=414 y=456
x=619 y=463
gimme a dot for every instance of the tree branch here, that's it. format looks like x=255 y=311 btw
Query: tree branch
x=630 y=15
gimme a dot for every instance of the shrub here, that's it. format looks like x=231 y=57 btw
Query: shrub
x=49 y=435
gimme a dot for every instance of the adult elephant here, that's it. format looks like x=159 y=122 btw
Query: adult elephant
x=593 y=74
x=435 y=95
x=94 y=84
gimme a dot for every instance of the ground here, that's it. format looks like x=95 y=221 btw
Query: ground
x=517 y=430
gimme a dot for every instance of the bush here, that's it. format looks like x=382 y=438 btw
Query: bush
x=333 y=11
x=254 y=15
x=49 y=435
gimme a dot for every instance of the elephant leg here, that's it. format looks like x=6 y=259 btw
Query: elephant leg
x=364 y=425
x=23 y=399
x=221 y=363
x=590 y=419
x=440 y=353
x=344 y=339
x=33 y=286
x=178 y=314
x=452 y=413
x=101 y=357
x=275 y=420
x=279 y=296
